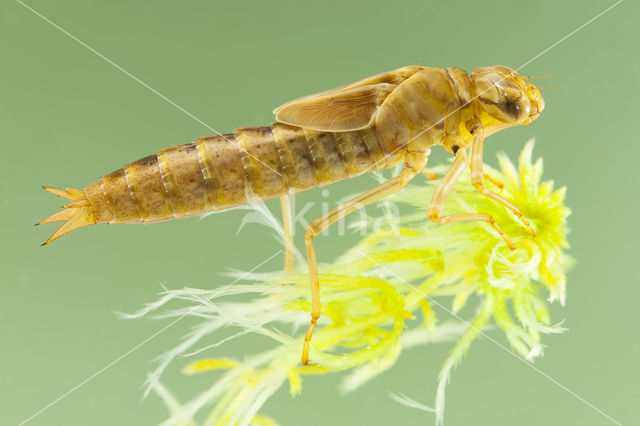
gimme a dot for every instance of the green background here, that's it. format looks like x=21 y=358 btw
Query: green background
x=68 y=117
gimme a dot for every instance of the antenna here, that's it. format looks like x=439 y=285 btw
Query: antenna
x=532 y=77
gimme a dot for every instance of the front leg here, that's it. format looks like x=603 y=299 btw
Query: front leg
x=477 y=179
x=443 y=190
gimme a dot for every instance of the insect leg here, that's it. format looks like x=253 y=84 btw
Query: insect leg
x=430 y=175
x=434 y=176
x=442 y=191
x=477 y=179
x=323 y=222
x=496 y=182
x=288 y=234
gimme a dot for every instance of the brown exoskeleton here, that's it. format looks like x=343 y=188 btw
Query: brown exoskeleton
x=374 y=123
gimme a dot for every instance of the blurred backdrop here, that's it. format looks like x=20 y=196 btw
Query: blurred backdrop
x=67 y=117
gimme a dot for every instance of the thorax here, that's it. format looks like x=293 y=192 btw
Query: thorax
x=432 y=107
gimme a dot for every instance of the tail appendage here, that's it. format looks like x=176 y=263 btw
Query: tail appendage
x=74 y=215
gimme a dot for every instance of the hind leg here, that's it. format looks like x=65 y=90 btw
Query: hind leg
x=323 y=222
x=288 y=234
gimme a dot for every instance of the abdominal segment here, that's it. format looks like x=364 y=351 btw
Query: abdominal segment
x=223 y=171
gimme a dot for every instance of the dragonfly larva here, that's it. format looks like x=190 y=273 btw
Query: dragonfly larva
x=374 y=123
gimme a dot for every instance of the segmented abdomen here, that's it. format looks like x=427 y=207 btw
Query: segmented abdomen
x=223 y=171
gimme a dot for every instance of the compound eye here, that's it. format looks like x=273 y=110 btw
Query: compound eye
x=506 y=102
x=515 y=104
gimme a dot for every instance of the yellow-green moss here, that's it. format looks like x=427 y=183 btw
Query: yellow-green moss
x=402 y=285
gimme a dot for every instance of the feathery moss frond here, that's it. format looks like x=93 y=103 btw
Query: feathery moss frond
x=382 y=296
